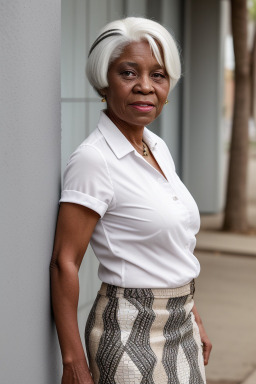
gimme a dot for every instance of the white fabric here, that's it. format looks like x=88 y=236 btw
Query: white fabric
x=145 y=237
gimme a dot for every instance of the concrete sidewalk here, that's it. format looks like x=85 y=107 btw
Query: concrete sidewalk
x=226 y=293
x=211 y=239
x=226 y=300
x=243 y=245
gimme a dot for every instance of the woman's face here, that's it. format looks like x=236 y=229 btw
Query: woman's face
x=138 y=87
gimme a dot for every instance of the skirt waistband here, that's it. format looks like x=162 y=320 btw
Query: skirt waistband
x=114 y=291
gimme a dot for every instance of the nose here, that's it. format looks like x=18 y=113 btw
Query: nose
x=144 y=85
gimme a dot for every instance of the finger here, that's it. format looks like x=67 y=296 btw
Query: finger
x=206 y=352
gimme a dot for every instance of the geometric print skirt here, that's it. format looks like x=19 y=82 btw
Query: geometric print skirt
x=147 y=336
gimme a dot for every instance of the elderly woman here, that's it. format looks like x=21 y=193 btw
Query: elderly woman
x=121 y=193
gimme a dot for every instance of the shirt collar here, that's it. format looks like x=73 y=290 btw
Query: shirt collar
x=150 y=138
x=119 y=144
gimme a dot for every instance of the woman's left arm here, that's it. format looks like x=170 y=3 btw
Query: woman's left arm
x=207 y=345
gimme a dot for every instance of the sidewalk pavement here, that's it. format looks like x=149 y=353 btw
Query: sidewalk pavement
x=233 y=244
x=251 y=379
x=210 y=238
x=225 y=296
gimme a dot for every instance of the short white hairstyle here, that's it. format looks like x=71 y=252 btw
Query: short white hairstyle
x=116 y=35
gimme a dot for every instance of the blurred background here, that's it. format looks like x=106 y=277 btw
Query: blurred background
x=197 y=126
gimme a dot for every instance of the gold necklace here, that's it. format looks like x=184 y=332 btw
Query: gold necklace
x=145 y=149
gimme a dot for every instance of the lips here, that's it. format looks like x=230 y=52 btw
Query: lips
x=143 y=106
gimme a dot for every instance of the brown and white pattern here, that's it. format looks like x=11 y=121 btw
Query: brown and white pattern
x=146 y=336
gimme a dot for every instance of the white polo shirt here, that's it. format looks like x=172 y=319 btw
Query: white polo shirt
x=145 y=237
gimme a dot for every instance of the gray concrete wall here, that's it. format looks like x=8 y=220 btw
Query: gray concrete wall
x=30 y=146
x=171 y=132
x=203 y=144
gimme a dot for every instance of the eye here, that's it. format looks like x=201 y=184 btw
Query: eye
x=159 y=75
x=128 y=73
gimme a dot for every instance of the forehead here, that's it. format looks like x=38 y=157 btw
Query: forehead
x=137 y=52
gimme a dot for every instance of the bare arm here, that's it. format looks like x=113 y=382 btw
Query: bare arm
x=207 y=345
x=75 y=226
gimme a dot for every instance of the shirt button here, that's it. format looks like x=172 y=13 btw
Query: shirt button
x=175 y=198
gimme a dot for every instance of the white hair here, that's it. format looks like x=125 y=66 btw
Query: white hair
x=117 y=34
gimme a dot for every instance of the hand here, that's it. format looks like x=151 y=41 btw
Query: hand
x=76 y=373
x=207 y=345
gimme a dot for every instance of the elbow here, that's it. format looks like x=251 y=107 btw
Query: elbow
x=62 y=265
x=54 y=264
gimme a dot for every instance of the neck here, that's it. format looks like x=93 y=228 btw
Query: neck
x=133 y=133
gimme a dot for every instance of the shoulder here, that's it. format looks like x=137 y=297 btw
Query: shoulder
x=87 y=169
x=90 y=152
x=86 y=178
x=87 y=159
x=95 y=139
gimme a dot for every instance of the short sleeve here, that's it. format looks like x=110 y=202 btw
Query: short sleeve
x=87 y=180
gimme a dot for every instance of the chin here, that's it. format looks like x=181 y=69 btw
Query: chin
x=143 y=120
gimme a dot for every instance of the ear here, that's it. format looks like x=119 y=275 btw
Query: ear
x=103 y=92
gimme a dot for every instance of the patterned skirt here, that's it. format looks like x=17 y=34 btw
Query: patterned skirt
x=146 y=336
